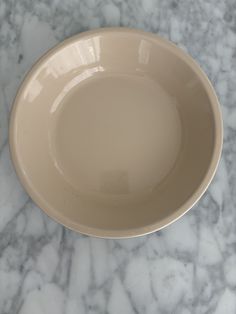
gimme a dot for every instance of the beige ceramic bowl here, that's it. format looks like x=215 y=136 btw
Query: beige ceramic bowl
x=115 y=133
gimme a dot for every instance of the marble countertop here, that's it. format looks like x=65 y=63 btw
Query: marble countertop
x=189 y=267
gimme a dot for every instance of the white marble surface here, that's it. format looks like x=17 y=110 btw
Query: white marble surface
x=190 y=267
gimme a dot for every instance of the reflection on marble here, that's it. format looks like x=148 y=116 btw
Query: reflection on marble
x=187 y=268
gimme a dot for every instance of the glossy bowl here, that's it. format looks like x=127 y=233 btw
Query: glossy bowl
x=115 y=133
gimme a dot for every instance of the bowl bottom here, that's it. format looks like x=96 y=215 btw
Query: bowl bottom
x=116 y=135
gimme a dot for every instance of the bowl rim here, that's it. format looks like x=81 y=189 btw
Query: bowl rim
x=181 y=210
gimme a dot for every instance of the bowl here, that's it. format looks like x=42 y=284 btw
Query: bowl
x=115 y=133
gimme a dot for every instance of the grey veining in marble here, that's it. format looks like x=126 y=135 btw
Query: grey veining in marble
x=190 y=267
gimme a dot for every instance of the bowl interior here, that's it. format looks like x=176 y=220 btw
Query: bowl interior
x=113 y=132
